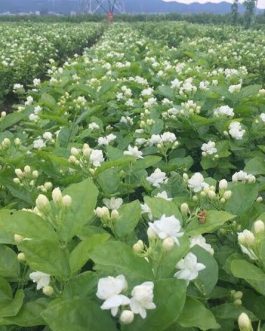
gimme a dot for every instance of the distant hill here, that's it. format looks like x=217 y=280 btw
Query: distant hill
x=131 y=6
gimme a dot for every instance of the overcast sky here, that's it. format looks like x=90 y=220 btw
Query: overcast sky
x=261 y=3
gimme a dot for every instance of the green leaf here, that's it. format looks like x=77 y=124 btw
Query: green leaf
x=26 y=224
x=214 y=220
x=169 y=298
x=243 y=197
x=250 y=273
x=130 y=215
x=195 y=314
x=230 y=311
x=28 y=316
x=243 y=269
x=78 y=314
x=81 y=253
x=82 y=285
x=167 y=268
x=208 y=277
x=146 y=162
x=161 y=207
x=115 y=258
x=12 y=306
x=255 y=166
x=84 y=198
x=46 y=256
x=9 y=265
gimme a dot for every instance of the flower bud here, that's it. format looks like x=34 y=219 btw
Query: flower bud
x=168 y=244
x=223 y=184
x=27 y=169
x=18 y=238
x=102 y=212
x=244 y=322
x=249 y=238
x=16 y=180
x=21 y=257
x=17 y=141
x=184 y=208
x=19 y=173
x=227 y=195
x=238 y=295
x=259 y=226
x=238 y=302
x=126 y=317
x=150 y=233
x=48 y=290
x=114 y=214
x=259 y=199
x=42 y=202
x=74 y=151
x=211 y=194
x=87 y=152
x=57 y=195
x=48 y=185
x=35 y=174
x=66 y=200
x=6 y=142
x=139 y=246
x=72 y=159
x=222 y=200
x=185 y=177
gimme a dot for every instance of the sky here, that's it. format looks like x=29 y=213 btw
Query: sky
x=261 y=3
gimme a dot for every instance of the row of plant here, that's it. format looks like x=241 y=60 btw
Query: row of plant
x=28 y=50
x=214 y=47
x=132 y=187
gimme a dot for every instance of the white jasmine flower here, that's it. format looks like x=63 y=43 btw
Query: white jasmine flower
x=42 y=279
x=168 y=137
x=37 y=110
x=39 y=143
x=163 y=195
x=236 y=131
x=175 y=83
x=142 y=298
x=36 y=82
x=201 y=241
x=29 y=101
x=147 y=92
x=96 y=157
x=33 y=117
x=189 y=268
x=262 y=117
x=155 y=139
x=47 y=135
x=224 y=111
x=242 y=176
x=106 y=140
x=208 y=148
x=113 y=203
x=167 y=227
x=93 y=126
x=157 y=178
x=196 y=183
x=109 y=289
x=234 y=88
x=133 y=151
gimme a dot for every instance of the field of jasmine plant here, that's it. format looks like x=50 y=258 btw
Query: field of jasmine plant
x=27 y=50
x=132 y=185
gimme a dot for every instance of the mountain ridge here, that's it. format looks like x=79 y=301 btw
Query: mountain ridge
x=131 y=6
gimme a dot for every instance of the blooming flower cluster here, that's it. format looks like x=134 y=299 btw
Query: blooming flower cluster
x=110 y=290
